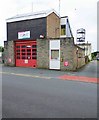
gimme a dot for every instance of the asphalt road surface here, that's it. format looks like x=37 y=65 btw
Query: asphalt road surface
x=37 y=93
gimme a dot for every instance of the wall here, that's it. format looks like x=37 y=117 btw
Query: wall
x=36 y=27
x=88 y=48
x=9 y=58
x=79 y=57
x=68 y=53
x=53 y=26
x=42 y=53
x=71 y=54
x=48 y=26
x=67 y=46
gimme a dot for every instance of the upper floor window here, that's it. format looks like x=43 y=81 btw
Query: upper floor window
x=63 y=29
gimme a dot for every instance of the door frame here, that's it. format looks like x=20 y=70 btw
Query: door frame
x=54 y=63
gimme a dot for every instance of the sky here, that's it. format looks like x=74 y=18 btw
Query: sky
x=81 y=13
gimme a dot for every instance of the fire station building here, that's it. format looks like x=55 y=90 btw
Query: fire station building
x=42 y=40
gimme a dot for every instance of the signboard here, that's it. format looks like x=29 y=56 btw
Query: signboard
x=66 y=63
x=23 y=35
x=9 y=60
x=25 y=61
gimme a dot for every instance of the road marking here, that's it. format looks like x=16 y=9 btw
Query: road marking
x=63 y=77
x=25 y=75
x=4 y=73
x=79 y=78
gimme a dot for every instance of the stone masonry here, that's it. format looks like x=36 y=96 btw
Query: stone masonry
x=66 y=53
x=9 y=54
x=69 y=52
x=42 y=53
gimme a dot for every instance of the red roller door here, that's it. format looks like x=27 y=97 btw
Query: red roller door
x=26 y=53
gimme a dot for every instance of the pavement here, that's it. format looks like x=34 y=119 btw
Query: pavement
x=88 y=73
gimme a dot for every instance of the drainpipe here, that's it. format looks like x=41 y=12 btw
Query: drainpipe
x=77 y=58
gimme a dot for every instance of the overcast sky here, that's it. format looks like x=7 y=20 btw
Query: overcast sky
x=81 y=13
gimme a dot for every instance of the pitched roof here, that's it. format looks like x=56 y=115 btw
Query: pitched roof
x=33 y=15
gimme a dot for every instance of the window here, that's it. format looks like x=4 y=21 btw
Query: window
x=33 y=46
x=26 y=51
x=18 y=50
x=23 y=50
x=18 y=57
x=63 y=29
x=54 y=54
x=17 y=46
x=29 y=50
x=23 y=46
x=23 y=57
x=34 y=57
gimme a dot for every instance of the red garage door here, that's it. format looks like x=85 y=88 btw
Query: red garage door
x=26 y=53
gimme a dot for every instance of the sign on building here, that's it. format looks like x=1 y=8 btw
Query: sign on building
x=24 y=35
x=81 y=35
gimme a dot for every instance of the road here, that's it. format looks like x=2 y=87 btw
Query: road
x=39 y=93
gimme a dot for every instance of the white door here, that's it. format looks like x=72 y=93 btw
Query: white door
x=54 y=54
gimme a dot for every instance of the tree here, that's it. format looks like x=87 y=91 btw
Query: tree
x=94 y=54
x=1 y=49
